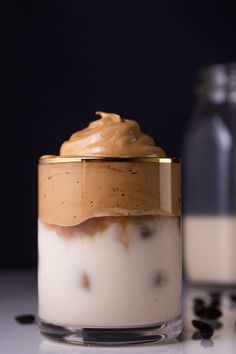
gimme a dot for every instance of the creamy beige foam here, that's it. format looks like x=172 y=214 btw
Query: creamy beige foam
x=111 y=136
x=70 y=193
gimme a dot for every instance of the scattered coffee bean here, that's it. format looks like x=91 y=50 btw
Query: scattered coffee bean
x=198 y=304
x=208 y=312
x=205 y=329
x=199 y=301
x=25 y=319
x=214 y=324
x=199 y=324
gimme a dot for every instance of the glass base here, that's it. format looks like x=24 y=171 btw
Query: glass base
x=113 y=336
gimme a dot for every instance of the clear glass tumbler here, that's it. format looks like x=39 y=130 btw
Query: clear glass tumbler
x=110 y=249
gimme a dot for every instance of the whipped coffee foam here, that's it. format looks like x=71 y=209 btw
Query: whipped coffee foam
x=72 y=192
x=111 y=136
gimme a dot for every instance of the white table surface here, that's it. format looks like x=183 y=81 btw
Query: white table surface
x=18 y=295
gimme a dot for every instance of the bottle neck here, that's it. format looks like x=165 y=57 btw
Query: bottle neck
x=218 y=97
x=218 y=84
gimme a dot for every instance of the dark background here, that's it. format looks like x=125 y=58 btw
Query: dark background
x=63 y=60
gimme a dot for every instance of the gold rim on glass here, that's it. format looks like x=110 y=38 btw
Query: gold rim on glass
x=47 y=159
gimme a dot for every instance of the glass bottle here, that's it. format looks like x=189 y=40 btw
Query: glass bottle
x=210 y=180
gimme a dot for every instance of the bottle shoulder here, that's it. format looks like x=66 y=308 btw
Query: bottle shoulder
x=208 y=111
x=211 y=119
x=210 y=134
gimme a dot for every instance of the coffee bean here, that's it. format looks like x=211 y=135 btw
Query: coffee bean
x=25 y=319
x=199 y=324
x=199 y=301
x=208 y=312
x=205 y=329
x=207 y=334
x=199 y=306
x=214 y=324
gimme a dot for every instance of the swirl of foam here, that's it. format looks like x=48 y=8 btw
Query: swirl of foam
x=111 y=136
